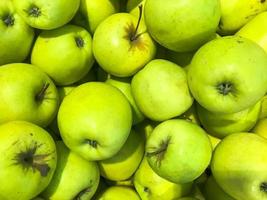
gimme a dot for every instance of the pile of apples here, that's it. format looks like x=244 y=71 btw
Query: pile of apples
x=133 y=100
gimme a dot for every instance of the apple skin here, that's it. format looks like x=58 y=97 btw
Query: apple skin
x=42 y=15
x=160 y=90
x=170 y=22
x=16 y=36
x=87 y=131
x=132 y=4
x=118 y=49
x=123 y=165
x=238 y=166
x=263 y=113
x=74 y=178
x=221 y=125
x=214 y=141
x=227 y=75
x=76 y=56
x=27 y=94
x=27 y=152
x=118 y=193
x=261 y=128
x=178 y=150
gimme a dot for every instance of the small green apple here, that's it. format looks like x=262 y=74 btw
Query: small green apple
x=228 y=74
x=160 y=90
x=178 y=150
x=123 y=165
x=16 y=36
x=28 y=160
x=71 y=64
x=27 y=93
x=261 y=128
x=43 y=15
x=92 y=134
x=118 y=193
x=74 y=178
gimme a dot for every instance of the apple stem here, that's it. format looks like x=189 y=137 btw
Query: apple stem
x=9 y=20
x=40 y=95
x=135 y=35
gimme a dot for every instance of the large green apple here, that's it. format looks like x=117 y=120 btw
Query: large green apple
x=27 y=93
x=228 y=74
x=239 y=166
x=160 y=90
x=178 y=150
x=118 y=193
x=28 y=160
x=121 y=44
x=95 y=120
x=74 y=178
x=92 y=12
x=221 y=125
x=43 y=15
x=123 y=165
x=16 y=36
x=75 y=58
x=151 y=186
x=182 y=25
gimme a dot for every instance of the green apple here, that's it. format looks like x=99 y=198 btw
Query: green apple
x=121 y=44
x=263 y=113
x=123 y=165
x=146 y=127
x=213 y=191
x=178 y=150
x=170 y=22
x=214 y=141
x=151 y=186
x=42 y=15
x=28 y=160
x=221 y=125
x=261 y=128
x=89 y=77
x=27 y=93
x=74 y=178
x=75 y=58
x=160 y=90
x=235 y=14
x=124 y=85
x=180 y=58
x=92 y=12
x=132 y=4
x=16 y=36
x=239 y=166
x=118 y=193
x=228 y=74
x=92 y=134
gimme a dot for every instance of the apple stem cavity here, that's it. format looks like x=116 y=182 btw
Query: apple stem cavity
x=224 y=88
x=9 y=20
x=41 y=93
x=79 y=42
x=82 y=193
x=34 y=11
x=135 y=36
x=263 y=187
x=92 y=143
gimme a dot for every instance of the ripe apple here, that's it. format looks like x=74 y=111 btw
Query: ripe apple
x=16 y=36
x=151 y=186
x=160 y=90
x=178 y=150
x=42 y=15
x=121 y=44
x=27 y=93
x=118 y=193
x=28 y=160
x=170 y=22
x=228 y=74
x=261 y=128
x=74 y=178
x=75 y=58
x=239 y=166
x=95 y=120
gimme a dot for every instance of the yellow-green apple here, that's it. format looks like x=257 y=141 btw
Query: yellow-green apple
x=239 y=166
x=263 y=113
x=170 y=22
x=92 y=12
x=214 y=141
x=43 y=15
x=227 y=75
x=118 y=193
x=75 y=58
x=151 y=186
x=124 y=85
x=221 y=125
x=235 y=14
x=28 y=160
x=27 y=93
x=95 y=120
x=16 y=36
x=123 y=165
x=261 y=128
x=132 y=4
x=160 y=90
x=178 y=150
x=74 y=178
x=121 y=44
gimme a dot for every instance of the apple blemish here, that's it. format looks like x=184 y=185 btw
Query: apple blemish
x=9 y=20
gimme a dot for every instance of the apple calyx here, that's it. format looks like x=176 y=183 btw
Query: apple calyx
x=82 y=193
x=79 y=42
x=263 y=187
x=41 y=94
x=160 y=151
x=92 y=143
x=146 y=189
x=225 y=88
x=29 y=159
x=34 y=11
x=9 y=20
